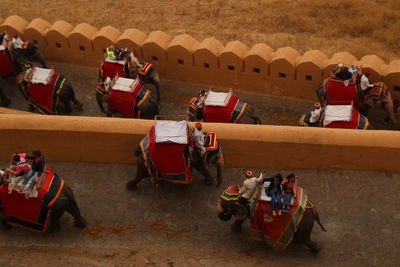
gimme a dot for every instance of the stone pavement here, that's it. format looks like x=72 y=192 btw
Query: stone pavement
x=359 y=209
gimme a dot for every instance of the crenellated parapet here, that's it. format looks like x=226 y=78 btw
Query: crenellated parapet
x=258 y=69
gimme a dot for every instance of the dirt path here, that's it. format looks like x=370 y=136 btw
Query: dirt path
x=178 y=223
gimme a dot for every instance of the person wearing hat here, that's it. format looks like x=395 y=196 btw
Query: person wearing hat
x=275 y=191
x=248 y=192
x=37 y=169
x=199 y=138
x=16 y=42
x=365 y=85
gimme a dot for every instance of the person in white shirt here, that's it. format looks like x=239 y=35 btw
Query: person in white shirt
x=199 y=138
x=364 y=81
x=248 y=192
x=16 y=42
x=316 y=113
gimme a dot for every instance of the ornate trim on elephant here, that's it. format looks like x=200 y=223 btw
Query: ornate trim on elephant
x=157 y=159
x=45 y=97
x=33 y=213
x=378 y=95
x=277 y=235
x=145 y=69
x=297 y=229
x=7 y=68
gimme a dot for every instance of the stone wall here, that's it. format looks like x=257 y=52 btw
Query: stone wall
x=257 y=69
x=93 y=139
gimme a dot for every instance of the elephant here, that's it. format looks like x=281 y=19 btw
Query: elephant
x=64 y=96
x=195 y=112
x=147 y=109
x=16 y=58
x=357 y=122
x=132 y=68
x=66 y=202
x=233 y=207
x=379 y=96
x=212 y=159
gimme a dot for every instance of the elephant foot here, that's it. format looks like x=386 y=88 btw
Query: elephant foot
x=131 y=186
x=80 y=223
x=237 y=226
x=315 y=248
x=5 y=102
x=78 y=105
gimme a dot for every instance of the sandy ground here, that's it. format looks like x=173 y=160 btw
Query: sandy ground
x=177 y=225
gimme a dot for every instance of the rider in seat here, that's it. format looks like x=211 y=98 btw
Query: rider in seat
x=21 y=170
x=37 y=169
x=199 y=139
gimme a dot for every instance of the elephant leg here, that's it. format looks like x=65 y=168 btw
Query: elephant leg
x=315 y=248
x=5 y=101
x=237 y=226
x=390 y=114
x=73 y=209
x=141 y=171
x=59 y=108
x=219 y=174
x=156 y=82
x=208 y=179
x=55 y=221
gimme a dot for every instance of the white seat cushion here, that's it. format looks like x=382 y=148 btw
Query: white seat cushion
x=125 y=84
x=337 y=113
x=171 y=132
x=218 y=99
x=41 y=75
x=121 y=62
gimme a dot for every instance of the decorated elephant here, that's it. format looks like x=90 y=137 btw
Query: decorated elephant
x=343 y=87
x=127 y=65
x=54 y=198
x=139 y=103
x=173 y=162
x=316 y=118
x=236 y=111
x=10 y=61
x=276 y=231
x=52 y=95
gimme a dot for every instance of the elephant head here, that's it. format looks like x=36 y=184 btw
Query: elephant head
x=228 y=205
x=31 y=53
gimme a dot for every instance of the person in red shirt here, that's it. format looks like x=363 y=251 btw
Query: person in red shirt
x=289 y=191
x=21 y=170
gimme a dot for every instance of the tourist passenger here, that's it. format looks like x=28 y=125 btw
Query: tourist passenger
x=21 y=170
x=289 y=186
x=37 y=169
x=275 y=191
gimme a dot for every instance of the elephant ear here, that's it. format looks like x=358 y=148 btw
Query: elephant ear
x=238 y=210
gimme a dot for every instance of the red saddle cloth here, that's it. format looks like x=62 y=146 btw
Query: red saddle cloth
x=32 y=213
x=168 y=162
x=7 y=68
x=339 y=94
x=44 y=96
x=229 y=114
x=277 y=232
x=126 y=103
x=110 y=69
x=358 y=121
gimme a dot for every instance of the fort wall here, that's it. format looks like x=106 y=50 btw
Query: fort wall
x=259 y=69
x=93 y=139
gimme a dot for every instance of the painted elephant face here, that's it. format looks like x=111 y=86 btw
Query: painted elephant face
x=227 y=209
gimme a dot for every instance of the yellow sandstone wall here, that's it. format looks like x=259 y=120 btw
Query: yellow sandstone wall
x=259 y=69
x=112 y=140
